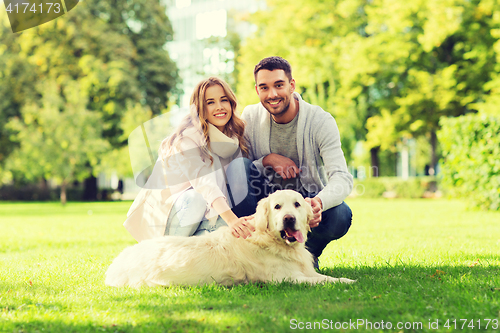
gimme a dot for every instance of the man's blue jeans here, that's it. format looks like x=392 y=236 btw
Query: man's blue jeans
x=335 y=222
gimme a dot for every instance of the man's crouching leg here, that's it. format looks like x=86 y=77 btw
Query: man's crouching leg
x=335 y=222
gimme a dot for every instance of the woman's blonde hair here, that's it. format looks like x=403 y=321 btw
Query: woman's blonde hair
x=197 y=118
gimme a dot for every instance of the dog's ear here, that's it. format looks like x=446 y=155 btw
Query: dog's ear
x=262 y=215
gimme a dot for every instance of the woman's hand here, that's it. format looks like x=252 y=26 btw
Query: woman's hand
x=242 y=228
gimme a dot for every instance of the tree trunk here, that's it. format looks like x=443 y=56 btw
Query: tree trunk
x=432 y=169
x=374 y=161
x=63 y=193
x=90 y=189
x=405 y=161
x=43 y=184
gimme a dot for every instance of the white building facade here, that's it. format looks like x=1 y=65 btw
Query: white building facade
x=200 y=27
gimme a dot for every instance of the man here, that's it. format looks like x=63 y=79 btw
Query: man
x=296 y=145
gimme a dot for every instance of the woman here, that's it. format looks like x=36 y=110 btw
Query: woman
x=196 y=164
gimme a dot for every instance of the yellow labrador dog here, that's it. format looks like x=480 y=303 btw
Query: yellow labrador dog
x=274 y=252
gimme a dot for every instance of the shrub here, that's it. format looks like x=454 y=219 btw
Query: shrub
x=471 y=152
x=369 y=188
x=411 y=188
x=37 y=193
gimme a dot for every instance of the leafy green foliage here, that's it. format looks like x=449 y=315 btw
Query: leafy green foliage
x=412 y=188
x=317 y=38
x=111 y=54
x=385 y=69
x=63 y=146
x=369 y=188
x=471 y=150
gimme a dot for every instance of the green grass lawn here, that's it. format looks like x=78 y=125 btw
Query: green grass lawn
x=416 y=262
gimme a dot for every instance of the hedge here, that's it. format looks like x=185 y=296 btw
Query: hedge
x=36 y=193
x=415 y=187
x=471 y=165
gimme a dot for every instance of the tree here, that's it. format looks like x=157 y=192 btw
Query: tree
x=386 y=70
x=17 y=78
x=60 y=139
x=314 y=37
x=451 y=60
x=112 y=51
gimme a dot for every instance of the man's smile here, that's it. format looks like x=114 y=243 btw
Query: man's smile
x=275 y=103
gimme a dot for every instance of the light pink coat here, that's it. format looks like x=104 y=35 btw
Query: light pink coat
x=186 y=169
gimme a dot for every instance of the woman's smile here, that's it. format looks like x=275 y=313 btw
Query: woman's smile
x=218 y=107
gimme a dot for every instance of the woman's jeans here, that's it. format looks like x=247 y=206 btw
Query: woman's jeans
x=247 y=187
x=187 y=217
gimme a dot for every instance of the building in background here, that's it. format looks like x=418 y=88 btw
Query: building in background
x=204 y=34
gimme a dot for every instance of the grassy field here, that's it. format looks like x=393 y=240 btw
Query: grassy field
x=421 y=266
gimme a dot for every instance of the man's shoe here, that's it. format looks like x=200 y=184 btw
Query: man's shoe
x=315 y=262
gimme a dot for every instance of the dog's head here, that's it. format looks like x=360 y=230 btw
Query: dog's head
x=286 y=214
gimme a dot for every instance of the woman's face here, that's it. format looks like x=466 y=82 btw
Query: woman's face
x=217 y=106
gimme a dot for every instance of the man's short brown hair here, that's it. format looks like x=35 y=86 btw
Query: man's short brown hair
x=272 y=63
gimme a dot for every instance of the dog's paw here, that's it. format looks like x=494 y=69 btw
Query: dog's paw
x=330 y=279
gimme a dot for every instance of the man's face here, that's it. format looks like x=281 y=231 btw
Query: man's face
x=274 y=90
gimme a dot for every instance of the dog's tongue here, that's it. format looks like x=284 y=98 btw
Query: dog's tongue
x=297 y=234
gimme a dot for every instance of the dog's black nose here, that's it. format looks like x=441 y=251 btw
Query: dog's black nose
x=289 y=220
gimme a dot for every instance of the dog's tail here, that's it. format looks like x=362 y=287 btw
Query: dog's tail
x=134 y=267
x=121 y=269
x=115 y=276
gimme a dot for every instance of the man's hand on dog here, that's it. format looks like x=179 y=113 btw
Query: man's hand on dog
x=317 y=207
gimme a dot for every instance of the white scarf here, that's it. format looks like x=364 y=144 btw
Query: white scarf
x=220 y=144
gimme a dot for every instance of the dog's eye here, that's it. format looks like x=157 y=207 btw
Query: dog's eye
x=297 y=204
x=277 y=206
